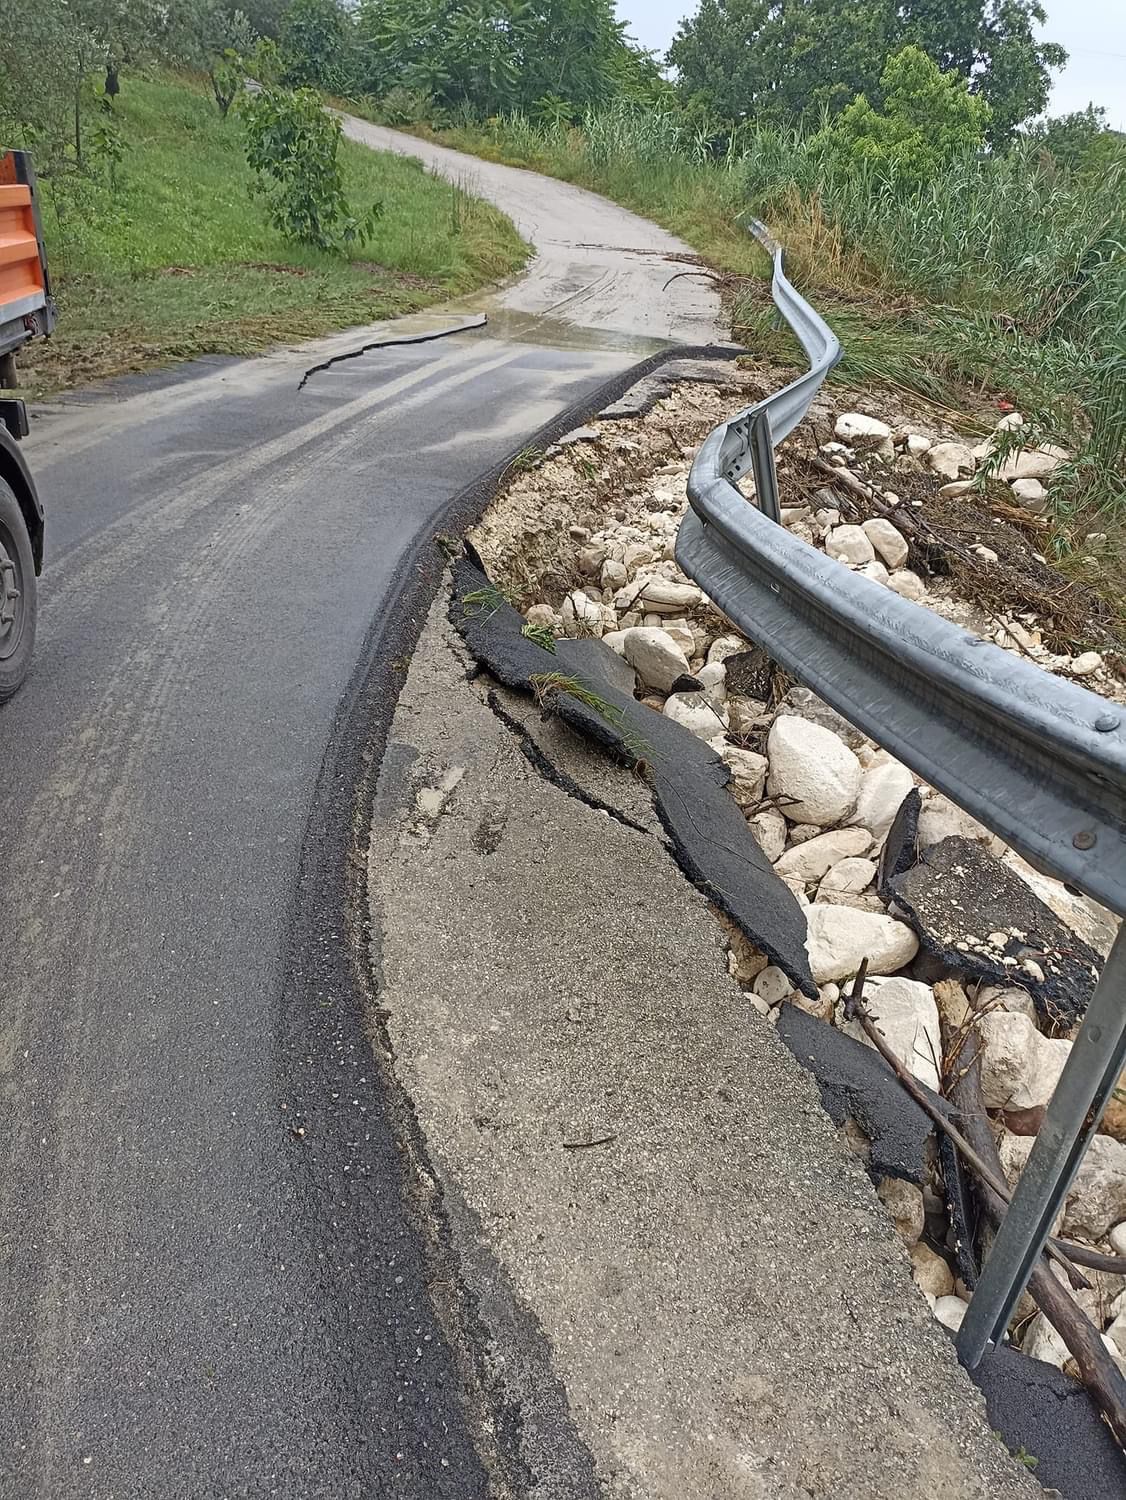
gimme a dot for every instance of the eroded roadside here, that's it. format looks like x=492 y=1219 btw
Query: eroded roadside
x=679 y=1279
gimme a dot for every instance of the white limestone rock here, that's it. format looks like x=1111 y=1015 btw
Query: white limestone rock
x=890 y=544
x=882 y=790
x=839 y=938
x=814 y=858
x=655 y=656
x=814 y=775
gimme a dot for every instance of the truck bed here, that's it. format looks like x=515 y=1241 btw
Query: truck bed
x=26 y=307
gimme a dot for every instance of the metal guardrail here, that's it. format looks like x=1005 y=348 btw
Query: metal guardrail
x=1039 y=760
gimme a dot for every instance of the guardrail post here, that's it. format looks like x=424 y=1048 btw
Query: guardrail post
x=762 y=466
x=1098 y=1055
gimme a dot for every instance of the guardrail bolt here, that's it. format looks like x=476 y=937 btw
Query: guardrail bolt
x=1085 y=839
x=1106 y=722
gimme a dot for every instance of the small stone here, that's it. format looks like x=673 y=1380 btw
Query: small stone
x=1041 y=1341
x=1009 y=421
x=813 y=774
x=917 y=444
x=655 y=656
x=637 y=555
x=772 y=985
x=1009 y=998
x=660 y=596
x=1096 y=1200
x=849 y=544
x=792 y=514
x=839 y=938
x=694 y=712
x=745 y=714
x=876 y=571
x=821 y=1008
x=1033 y=463
x=931 y=1272
x=905 y=1013
x=579 y=533
x=862 y=432
x=1085 y=664
x=543 y=617
x=848 y=877
x=956 y=487
x=986 y=554
x=590 y=560
x=939 y=819
x=712 y=677
x=769 y=829
x=1019 y=1067
x=951 y=460
x=950 y=1312
x=682 y=636
x=744 y=961
x=1031 y=494
x=812 y=859
x=801 y=833
x=581 y=616
x=724 y=646
x=614 y=575
x=882 y=790
x=907 y=585
x=1117 y=1238
x=888 y=542
x=748 y=774
x=904 y=1202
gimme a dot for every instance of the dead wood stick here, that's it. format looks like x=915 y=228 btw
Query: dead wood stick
x=1101 y=1376
x=854 y=1007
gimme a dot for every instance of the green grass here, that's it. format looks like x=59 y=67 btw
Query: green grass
x=172 y=256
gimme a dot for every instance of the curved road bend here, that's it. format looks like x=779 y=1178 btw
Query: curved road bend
x=196 y=1299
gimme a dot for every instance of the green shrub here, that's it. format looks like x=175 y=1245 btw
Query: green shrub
x=291 y=143
x=928 y=118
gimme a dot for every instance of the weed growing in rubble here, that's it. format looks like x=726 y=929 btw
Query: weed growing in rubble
x=548 y=685
x=484 y=602
x=540 y=635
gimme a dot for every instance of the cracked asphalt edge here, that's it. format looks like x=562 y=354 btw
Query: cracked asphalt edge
x=714 y=1302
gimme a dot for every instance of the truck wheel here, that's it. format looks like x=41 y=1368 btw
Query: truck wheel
x=17 y=594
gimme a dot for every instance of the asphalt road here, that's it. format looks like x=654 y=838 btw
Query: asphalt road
x=214 y=1257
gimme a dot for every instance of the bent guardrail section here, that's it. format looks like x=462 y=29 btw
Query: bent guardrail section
x=1036 y=758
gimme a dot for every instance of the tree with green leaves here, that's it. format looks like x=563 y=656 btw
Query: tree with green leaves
x=780 y=60
x=927 y=119
x=317 y=45
x=1081 y=141
x=551 y=58
x=291 y=143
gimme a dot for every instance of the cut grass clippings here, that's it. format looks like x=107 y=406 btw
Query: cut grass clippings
x=178 y=259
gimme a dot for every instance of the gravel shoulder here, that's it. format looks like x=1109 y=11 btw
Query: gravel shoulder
x=709 y=1302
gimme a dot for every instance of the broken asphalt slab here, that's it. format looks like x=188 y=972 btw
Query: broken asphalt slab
x=667 y=1257
x=976 y=917
x=708 y=832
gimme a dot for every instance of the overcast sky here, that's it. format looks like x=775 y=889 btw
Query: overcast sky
x=1093 y=31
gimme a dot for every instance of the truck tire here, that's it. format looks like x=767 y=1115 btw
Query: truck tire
x=17 y=594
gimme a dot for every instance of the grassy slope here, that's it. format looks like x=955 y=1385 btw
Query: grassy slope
x=179 y=259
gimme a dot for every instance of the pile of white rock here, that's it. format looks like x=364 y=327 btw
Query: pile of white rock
x=819 y=798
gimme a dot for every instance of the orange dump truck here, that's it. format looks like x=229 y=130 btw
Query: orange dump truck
x=26 y=312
